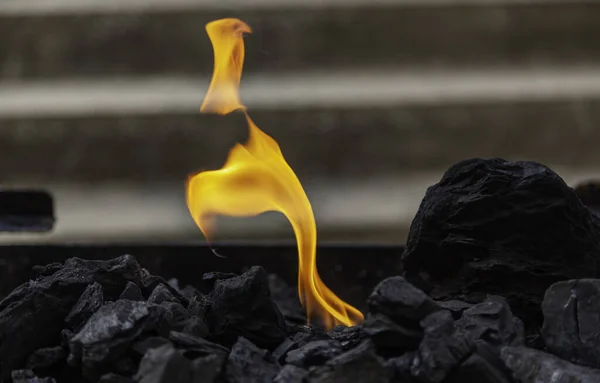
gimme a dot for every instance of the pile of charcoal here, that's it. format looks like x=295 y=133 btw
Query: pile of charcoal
x=111 y=321
x=498 y=287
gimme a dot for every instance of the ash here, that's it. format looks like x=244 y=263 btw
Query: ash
x=499 y=287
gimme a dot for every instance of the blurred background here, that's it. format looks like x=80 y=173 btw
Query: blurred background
x=370 y=101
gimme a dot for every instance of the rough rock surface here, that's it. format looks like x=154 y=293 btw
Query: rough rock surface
x=492 y=226
x=571 y=327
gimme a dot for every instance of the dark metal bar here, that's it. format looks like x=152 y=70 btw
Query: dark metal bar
x=26 y=211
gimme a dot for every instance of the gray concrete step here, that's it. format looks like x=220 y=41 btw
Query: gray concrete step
x=66 y=38
x=341 y=126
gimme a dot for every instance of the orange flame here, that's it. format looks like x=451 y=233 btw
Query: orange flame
x=256 y=179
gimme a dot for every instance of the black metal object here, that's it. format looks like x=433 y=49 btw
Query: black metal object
x=26 y=211
x=350 y=270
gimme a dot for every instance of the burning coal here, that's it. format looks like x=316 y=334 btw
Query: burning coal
x=256 y=179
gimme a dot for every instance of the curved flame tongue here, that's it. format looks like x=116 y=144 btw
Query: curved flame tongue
x=256 y=179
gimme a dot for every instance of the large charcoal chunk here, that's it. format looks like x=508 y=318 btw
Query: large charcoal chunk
x=572 y=321
x=348 y=337
x=162 y=294
x=493 y=322
x=358 y=365
x=164 y=365
x=247 y=363
x=314 y=353
x=27 y=376
x=501 y=227
x=291 y=374
x=443 y=348
x=132 y=292
x=32 y=316
x=386 y=333
x=108 y=334
x=483 y=366
x=242 y=306
x=90 y=301
x=195 y=347
x=401 y=301
x=533 y=366
x=286 y=299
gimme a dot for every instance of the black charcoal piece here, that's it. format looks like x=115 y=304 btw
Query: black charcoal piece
x=142 y=346
x=196 y=346
x=502 y=227
x=349 y=337
x=442 y=349
x=533 y=366
x=291 y=374
x=358 y=365
x=207 y=369
x=286 y=299
x=46 y=358
x=195 y=326
x=493 y=322
x=190 y=292
x=387 y=334
x=242 y=306
x=209 y=279
x=455 y=307
x=90 y=301
x=164 y=365
x=400 y=367
x=162 y=294
x=571 y=327
x=108 y=334
x=149 y=282
x=314 y=353
x=484 y=365
x=115 y=378
x=27 y=376
x=247 y=363
x=280 y=353
x=401 y=301
x=132 y=292
x=174 y=316
x=32 y=316
x=198 y=305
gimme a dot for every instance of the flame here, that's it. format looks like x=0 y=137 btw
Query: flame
x=256 y=179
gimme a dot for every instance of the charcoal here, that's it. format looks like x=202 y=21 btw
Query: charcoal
x=115 y=378
x=46 y=358
x=443 y=348
x=349 y=337
x=174 y=315
x=195 y=326
x=196 y=346
x=209 y=279
x=286 y=299
x=149 y=282
x=32 y=316
x=90 y=301
x=198 y=306
x=142 y=346
x=242 y=306
x=108 y=334
x=483 y=366
x=387 y=334
x=401 y=301
x=247 y=363
x=304 y=334
x=280 y=353
x=571 y=327
x=132 y=292
x=456 y=307
x=358 y=365
x=164 y=365
x=162 y=294
x=46 y=270
x=501 y=227
x=400 y=367
x=190 y=292
x=314 y=353
x=207 y=369
x=533 y=366
x=27 y=376
x=291 y=374
x=493 y=322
